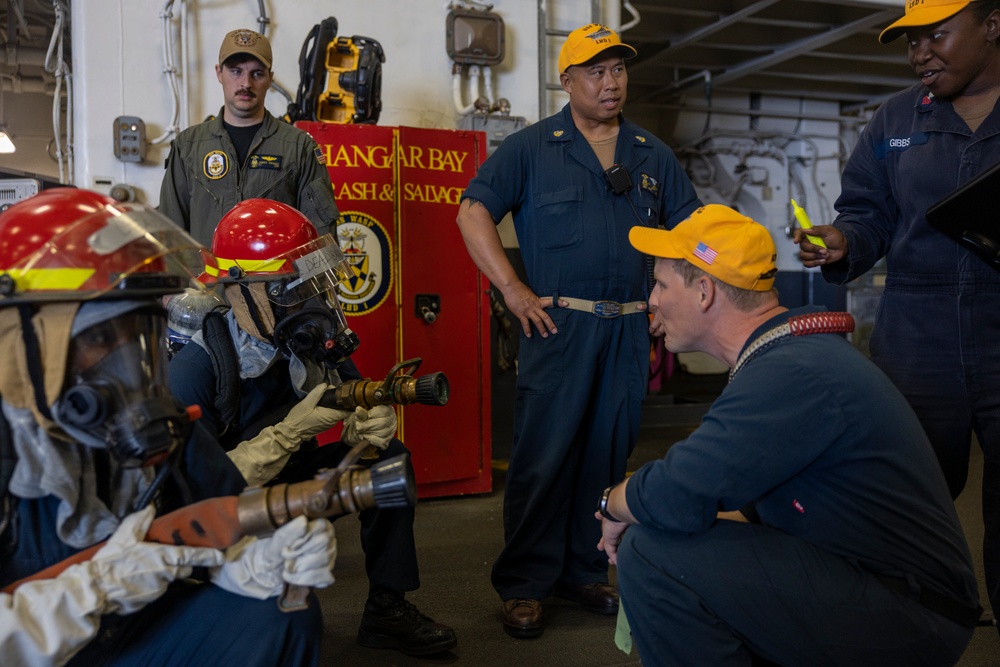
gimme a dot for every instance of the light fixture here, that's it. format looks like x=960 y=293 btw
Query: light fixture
x=6 y=140
x=475 y=37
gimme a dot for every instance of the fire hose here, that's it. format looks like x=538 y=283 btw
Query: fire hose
x=398 y=388
x=259 y=511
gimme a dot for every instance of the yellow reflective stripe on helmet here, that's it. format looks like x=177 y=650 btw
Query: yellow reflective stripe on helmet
x=249 y=265
x=49 y=279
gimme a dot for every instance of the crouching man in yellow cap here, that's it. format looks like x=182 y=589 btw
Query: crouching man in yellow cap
x=806 y=521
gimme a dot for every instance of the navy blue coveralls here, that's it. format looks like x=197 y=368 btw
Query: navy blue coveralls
x=579 y=392
x=386 y=534
x=848 y=496
x=938 y=322
x=192 y=623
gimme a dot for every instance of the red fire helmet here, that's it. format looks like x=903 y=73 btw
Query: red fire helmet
x=255 y=237
x=264 y=240
x=67 y=244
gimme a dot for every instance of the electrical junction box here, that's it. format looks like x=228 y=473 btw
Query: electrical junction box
x=130 y=139
x=497 y=128
x=13 y=190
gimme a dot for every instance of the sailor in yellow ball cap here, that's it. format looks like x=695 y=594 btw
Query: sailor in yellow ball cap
x=794 y=522
x=942 y=288
x=574 y=183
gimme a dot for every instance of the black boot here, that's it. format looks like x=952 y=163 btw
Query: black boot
x=390 y=621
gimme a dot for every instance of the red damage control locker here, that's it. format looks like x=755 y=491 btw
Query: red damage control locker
x=415 y=292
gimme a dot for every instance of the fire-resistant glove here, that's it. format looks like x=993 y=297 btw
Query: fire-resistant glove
x=47 y=621
x=377 y=425
x=301 y=552
x=265 y=455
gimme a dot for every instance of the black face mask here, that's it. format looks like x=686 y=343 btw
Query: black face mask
x=316 y=333
x=121 y=401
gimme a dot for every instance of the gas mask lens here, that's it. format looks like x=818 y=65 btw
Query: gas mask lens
x=312 y=325
x=317 y=331
x=118 y=396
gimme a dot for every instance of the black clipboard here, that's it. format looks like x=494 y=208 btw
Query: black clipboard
x=971 y=215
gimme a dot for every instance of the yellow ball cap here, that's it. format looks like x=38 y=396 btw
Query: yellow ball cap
x=723 y=243
x=584 y=44
x=921 y=13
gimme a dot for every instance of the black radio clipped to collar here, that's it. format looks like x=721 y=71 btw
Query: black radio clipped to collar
x=621 y=182
x=618 y=178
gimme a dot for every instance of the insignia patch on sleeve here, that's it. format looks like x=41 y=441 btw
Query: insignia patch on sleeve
x=320 y=155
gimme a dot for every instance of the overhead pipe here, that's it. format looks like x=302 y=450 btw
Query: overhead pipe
x=170 y=69
x=14 y=55
x=58 y=67
x=456 y=91
x=478 y=103
x=20 y=84
x=770 y=113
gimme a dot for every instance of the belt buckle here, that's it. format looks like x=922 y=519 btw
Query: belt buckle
x=607 y=309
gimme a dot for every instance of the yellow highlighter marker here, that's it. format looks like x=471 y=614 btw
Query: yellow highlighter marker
x=803 y=219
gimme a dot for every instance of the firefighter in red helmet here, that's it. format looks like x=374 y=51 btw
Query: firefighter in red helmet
x=269 y=252
x=93 y=445
x=74 y=259
x=259 y=371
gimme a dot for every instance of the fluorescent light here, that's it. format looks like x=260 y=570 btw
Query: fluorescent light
x=6 y=141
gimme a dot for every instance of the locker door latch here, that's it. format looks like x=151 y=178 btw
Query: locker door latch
x=428 y=307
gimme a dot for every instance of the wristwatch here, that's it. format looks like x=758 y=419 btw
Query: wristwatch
x=602 y=506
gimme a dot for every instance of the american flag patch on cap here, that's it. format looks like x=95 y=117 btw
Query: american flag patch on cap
x=704 y=253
